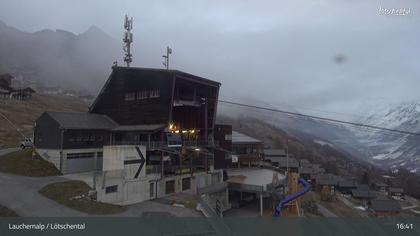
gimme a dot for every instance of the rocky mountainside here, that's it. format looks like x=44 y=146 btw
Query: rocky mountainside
x=58 y=57
x=393 y=150
x=387 y=150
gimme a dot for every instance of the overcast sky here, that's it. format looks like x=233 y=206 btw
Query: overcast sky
x=319 y=55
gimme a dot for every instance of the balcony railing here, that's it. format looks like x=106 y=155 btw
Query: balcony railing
x=158 y=145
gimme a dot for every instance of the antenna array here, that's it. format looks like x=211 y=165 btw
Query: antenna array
x=128 y=39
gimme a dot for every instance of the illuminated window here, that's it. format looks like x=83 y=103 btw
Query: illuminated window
x=130 y=96
x=142 y=95
x=154 y=93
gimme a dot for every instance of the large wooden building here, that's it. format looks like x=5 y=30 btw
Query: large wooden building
x=165 y=110
x=149 y=133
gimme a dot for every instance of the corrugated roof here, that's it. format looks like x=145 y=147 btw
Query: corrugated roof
x=239 y=138
x=327 y=179
x=385 y=205
x=74 y=120
x=347 y=184
x=362 y=193
x=274 y=152
x=151 y=127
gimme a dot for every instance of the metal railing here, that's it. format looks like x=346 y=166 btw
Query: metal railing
x=158 y=144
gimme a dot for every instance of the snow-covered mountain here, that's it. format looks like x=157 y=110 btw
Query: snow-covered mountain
x=389 y=149
x=385 y=149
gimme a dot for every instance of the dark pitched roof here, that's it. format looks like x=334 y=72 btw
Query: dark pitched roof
x=131 y=72
x=284 y=162
x=347 y=184
x=327 y=179
x=6 y=76
x=385 y=205
x=396 y=190
x=357 y=193
x=380 y=184
x=152 y=127
x=306 y=170
x=275 y=152
x=68 y=120
x=239 y=138
x=181 y=74
x=29 y=89
x=363 y=187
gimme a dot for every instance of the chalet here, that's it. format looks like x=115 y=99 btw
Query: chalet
x=328 y=180
x=385 y=207
x=307 y=173
x=4 y=93
x=363 y=194
x=279 y=158
x=396 y=193
x=381 y=187
x=149 y=133
x=248 y=150
x=6 y=81
x=21 y=94
x=285 y=163
x=347 y=186
x=304 y=163
x=8 y=91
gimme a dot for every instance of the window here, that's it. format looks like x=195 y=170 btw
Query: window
x=72 y=139
x=99 y=154
x=186 y=184
x=155 y=93
x=228 y=137
x=80 y=155
x=79 y=139
x=100 y=138
x=111 y=189
x=92 y=138
x=130 y=96
x=170 y=186
x=142 y=95
x=151 y=190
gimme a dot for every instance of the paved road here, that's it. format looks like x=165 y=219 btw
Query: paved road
x=7 y=150
x=20 y=193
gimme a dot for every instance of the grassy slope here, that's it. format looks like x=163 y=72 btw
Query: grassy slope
x=24 y=113
x=22 y=163
x=63 y=192
x=6 y=212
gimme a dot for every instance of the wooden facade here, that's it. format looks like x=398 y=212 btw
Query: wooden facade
x=140 y=96
x=222 y=156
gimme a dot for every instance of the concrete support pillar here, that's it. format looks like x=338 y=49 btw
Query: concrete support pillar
x=261 y=204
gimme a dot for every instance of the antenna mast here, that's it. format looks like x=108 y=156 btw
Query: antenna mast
x=166 y=57
x=128 y=39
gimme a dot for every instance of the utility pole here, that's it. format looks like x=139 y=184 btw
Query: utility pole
x=13 y=125
x=128 y=39
x=166 y=57
x=287 y=155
